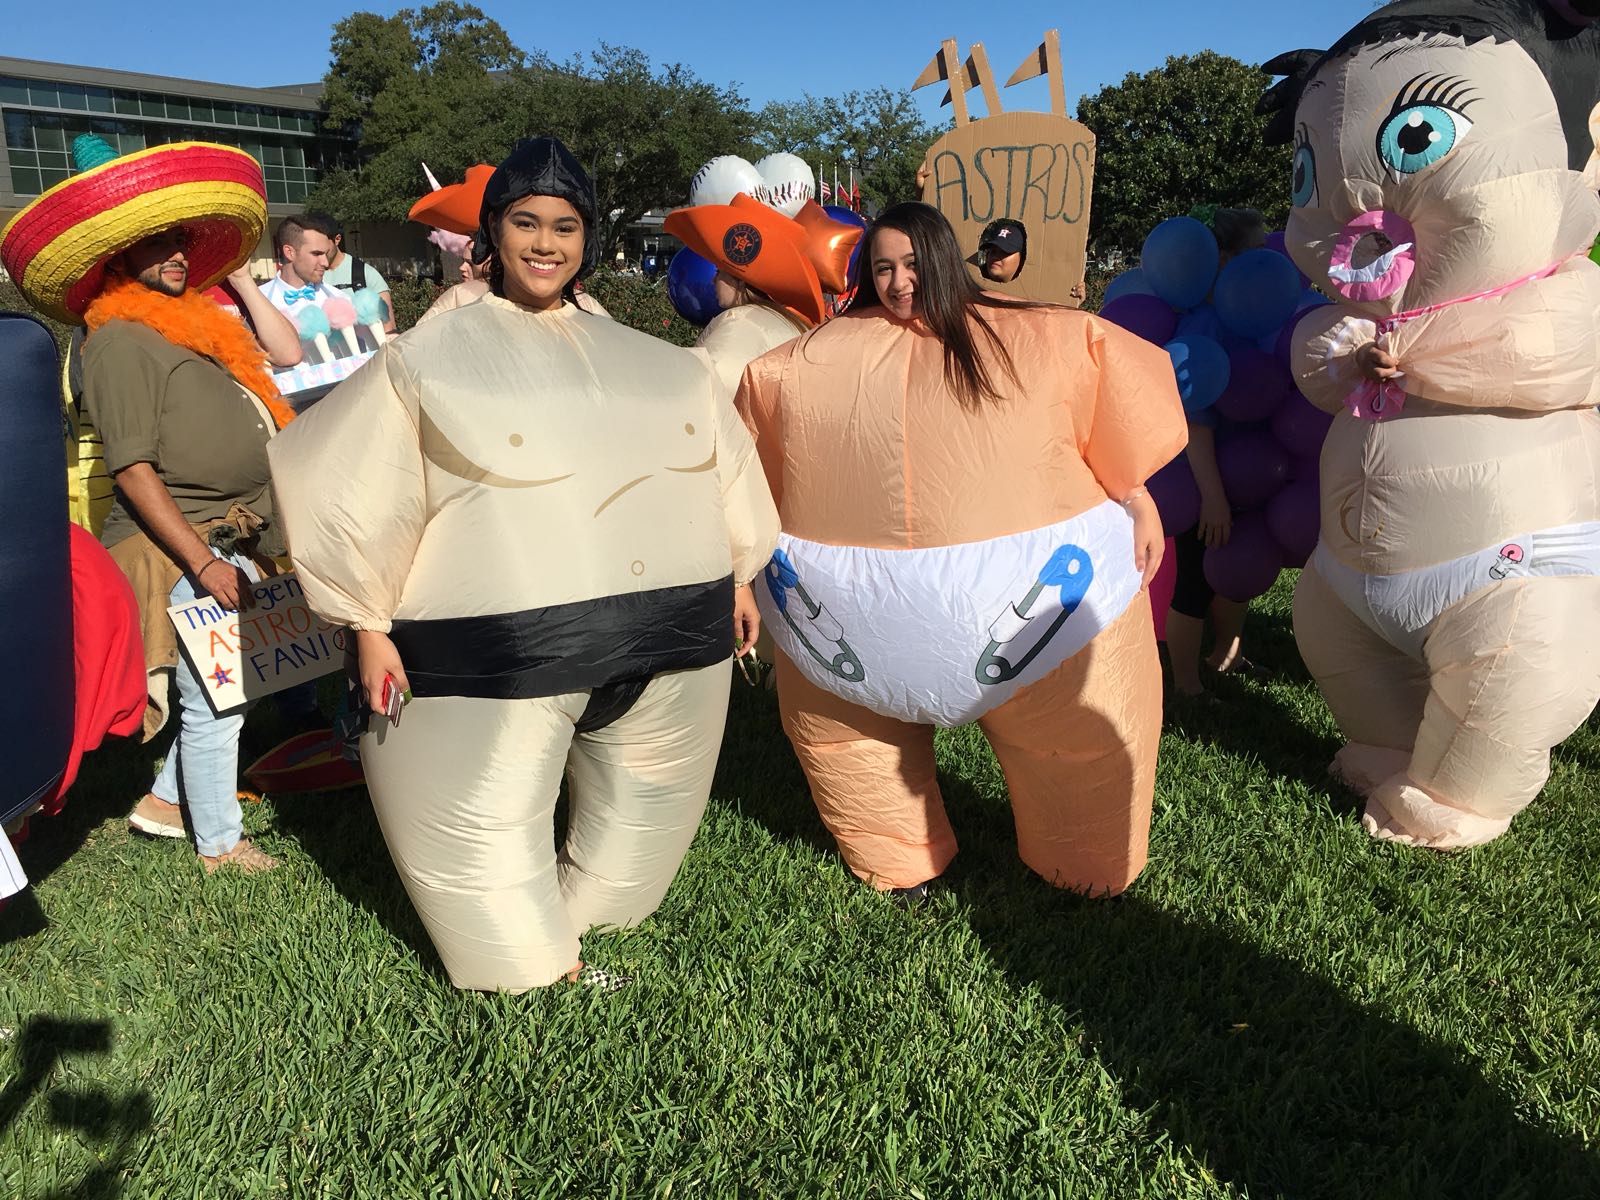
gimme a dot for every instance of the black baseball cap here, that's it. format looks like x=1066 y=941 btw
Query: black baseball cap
x=1005 y=235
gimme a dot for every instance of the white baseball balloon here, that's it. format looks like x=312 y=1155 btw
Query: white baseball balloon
x=786 y=182
x=722 y=178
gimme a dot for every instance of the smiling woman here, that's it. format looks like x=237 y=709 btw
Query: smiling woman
x=542 y=524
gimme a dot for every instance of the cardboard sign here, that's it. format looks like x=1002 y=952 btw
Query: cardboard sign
x=241 y=656
x=1036 y=168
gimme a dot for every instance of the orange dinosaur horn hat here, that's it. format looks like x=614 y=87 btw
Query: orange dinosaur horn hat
x=56 y=248
x=455 y=208
x=756 y=244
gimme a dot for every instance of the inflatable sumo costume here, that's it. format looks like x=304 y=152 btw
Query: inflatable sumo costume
x=1444 y=196
x=947 y=558
x=547 y=512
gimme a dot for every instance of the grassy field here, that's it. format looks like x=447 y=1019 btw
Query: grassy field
x=1279 y=1007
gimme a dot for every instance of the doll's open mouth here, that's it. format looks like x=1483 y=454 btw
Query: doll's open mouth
x=1373 y=256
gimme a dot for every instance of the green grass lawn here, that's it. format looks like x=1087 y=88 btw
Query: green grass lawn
x=1278 y=1007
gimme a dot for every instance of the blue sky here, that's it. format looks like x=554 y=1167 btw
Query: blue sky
x=772 y=51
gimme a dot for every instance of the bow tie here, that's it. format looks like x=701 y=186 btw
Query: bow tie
x=290 y=295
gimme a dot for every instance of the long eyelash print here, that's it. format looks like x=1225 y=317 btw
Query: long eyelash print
x=1446 y=91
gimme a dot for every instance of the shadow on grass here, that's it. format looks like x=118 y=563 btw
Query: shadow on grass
x=1269 y=1075
x=115 y=1124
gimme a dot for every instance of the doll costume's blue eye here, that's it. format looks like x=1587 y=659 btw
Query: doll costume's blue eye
x=1305 y=175
x=1419 y=136
x=1428 y=122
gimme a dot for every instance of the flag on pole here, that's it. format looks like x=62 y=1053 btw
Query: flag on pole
x=838 y=189
x=854 y=193
x=822 y=185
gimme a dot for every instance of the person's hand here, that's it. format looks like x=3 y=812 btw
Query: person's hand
x=1149 y=538
x=228 y=585
x=1376 y=363
x=746 y=619
x=922 y=175
x=1216 y=519
x=377 y=657
x=241 y=279
x=1077 y=292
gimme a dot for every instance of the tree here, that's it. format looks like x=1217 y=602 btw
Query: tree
x=1184 y=134
x=640 y=131
x=879 y=133
x=423 y=85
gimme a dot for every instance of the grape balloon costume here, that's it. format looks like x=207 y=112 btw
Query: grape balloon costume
x=1444 y=194
x=941 y=564
x=547 y=512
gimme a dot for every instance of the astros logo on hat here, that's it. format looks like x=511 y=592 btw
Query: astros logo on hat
x=741 y=244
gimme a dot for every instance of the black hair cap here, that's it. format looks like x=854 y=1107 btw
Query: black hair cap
x=539 y=166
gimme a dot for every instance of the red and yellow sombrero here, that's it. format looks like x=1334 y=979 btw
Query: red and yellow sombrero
x=756 y=244
x=57 y=247
x=455 y=208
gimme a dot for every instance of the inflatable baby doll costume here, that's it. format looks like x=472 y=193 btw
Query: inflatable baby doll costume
x=943 y=563
x=1444 y=196
x=548 y=513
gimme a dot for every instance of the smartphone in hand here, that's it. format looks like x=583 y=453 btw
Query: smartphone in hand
x=393 y=700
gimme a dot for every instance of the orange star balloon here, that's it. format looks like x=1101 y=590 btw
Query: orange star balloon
x=829 y=244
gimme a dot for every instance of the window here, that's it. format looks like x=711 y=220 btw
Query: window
x=42 y=95
x=25 y=181
x=13 y=91
x=200 y=110
x=72 y=97
x=98 y=99
x=127 y=103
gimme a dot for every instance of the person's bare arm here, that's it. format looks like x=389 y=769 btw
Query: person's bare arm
x=144 y=492
x=274 y=331
x=1216 y=516
x=388 y=311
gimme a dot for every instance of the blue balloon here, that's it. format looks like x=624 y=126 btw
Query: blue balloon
x=1202 y=368
x=690 y=287
x=1203 y=322
x=1257 y=292
x=1129 y=283
x=1180 y=261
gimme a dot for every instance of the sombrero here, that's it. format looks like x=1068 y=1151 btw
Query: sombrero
x=756 y=244
x=56 y=248
x=455 y=208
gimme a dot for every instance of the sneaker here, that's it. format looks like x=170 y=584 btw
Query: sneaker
x=601 y=979
x=912 y=897
x=157 y=818
x=244 y=856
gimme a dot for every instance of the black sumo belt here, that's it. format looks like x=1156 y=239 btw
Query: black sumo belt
x=611 y=647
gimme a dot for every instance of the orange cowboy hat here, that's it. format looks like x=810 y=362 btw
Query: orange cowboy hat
x=757 y=245
x=56 y=248
x=454 y=209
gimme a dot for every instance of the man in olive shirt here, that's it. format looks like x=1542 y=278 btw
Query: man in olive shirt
x=185 y=444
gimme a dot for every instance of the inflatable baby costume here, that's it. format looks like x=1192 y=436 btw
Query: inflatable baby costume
x=945 y=560
x=548 y=513
x=1450 y=611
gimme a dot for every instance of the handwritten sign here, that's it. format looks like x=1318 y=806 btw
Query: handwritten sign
x=241 y=656
x=1037 y=168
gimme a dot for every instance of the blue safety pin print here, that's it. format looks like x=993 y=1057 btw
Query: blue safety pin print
x=1018 y=634
x=836 y=656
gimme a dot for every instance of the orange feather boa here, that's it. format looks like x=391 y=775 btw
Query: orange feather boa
x=195 y=322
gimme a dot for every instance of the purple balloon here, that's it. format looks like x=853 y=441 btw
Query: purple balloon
x=1300 y=426
x=1176 y=494
x=1257 y=384
x=1306 y=468
x=1150 y=317
x=1247 y=565
x=1253 y=467
x=1295 y=518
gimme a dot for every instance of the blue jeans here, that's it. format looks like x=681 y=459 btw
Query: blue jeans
x=202 y=767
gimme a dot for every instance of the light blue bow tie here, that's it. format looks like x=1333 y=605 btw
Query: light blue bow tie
x=290 y=295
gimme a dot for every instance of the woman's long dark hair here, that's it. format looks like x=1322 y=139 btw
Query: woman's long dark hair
x=949 y=300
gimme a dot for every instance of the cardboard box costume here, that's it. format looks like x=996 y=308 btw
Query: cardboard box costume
x=940 y=564
x=547 y=512
x=1449 y=610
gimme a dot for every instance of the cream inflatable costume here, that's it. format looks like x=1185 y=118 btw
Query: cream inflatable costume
x=944 y=562
x=1444 y=194
x=548 y=513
